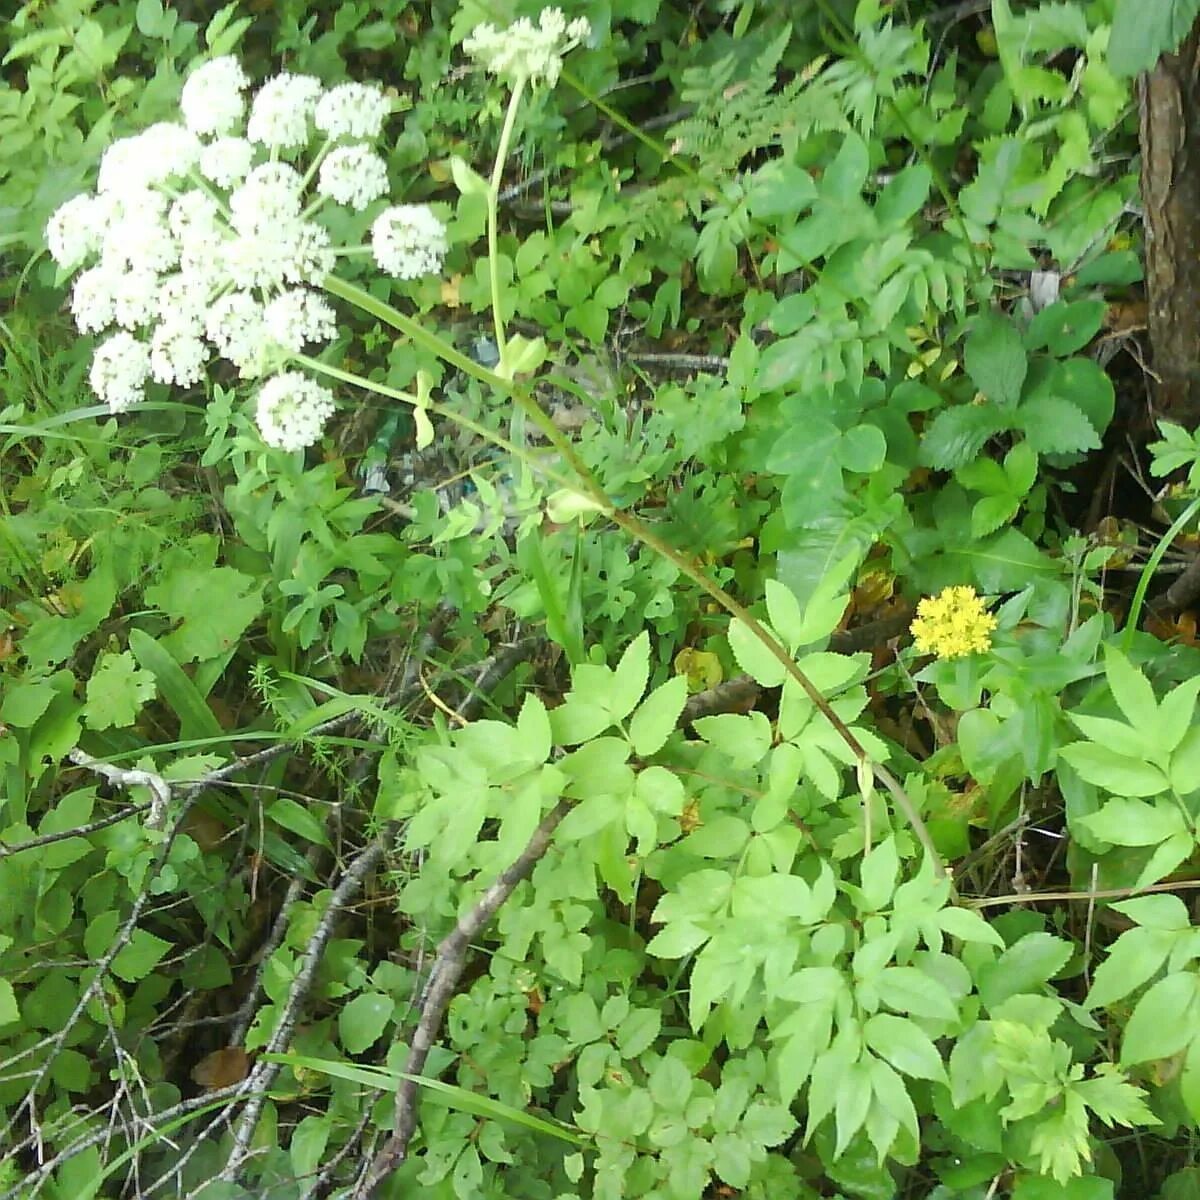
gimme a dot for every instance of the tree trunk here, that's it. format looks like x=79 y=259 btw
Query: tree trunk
x=1169 y=100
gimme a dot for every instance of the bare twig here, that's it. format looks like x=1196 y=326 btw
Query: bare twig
x=447 y=968
x=681 y=362
x=738 y=694
x=49 y=839
x=493 y=671
x=264 y=1073
x=123 y=777
x=32 y=1183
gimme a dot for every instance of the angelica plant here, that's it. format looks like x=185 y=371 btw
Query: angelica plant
x=206 y=239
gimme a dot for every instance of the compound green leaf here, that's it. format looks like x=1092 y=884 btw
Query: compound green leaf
x=995 y=359
x=362 y=1022
x=657 y=716
x=905 y=1046
x=1164 y=1020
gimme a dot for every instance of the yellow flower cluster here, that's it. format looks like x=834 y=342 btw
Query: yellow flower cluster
x=953 y=624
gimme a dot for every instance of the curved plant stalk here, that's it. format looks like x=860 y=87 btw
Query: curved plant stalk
x=1139 y=594
x=592 y=491
x=493 y=237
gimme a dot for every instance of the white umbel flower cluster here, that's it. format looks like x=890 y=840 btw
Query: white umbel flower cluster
x=292 y=411
x=409 y=241
x=527 y=52
x=204 y=241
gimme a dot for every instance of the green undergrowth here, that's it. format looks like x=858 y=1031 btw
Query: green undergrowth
x=823 y=915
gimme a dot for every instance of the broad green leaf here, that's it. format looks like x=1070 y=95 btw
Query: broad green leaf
x=1131 y=689
x=1164 y=1020
x=291 y=815
x=533 y=724
x=1116 y=773
x=903 y=196
x=1126 y=822
x=862 y=449
x=468 y=181
x=1132 y=960
x=637 y=1032
x=629 y=679
x=878 y=872
x=995 y=359
x=1175 y=714
x=787 y=618
x=905 y=1046
x=1189 y=1081
x=1065 y=326
x=1054 y=425
x=956 y=435
x=1156 y=912
x=139 y=956
x=677 y=940
x=657 y=716
x=362 y=1021
x=307 y=1146
x=1024 y=967
x=779 y=189
x=1116 y=736
x=968 y=926
x=908 y=990
x=753 y=657
x=853 y=1103
x=1141 y=32
x=1185 y=762
x=9 y=1012
x=24 y=703
x=196 y=719
x=1166 y=857
x=892 y=1096
x=116 y=692
x=213 y=607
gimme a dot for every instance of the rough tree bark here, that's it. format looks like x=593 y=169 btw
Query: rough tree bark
x=1169 y=102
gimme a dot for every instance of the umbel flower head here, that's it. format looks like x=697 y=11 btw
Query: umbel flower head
x=525 y=52
x=953 y=624
x=204 y=241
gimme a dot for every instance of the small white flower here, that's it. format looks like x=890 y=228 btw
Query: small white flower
x=299 y=316
x=135 y=297
x=92 y=299
x=292 y=411
x=226 y=161
x=525 y=51
x=139 y=236
x=76 y=230
x=148 y=158
x=236 y=327
x=185 y=296
x=408 y=241
x=194 y=215
x=177 y=355
x=352 y=110
x=119 y=371
x=212 y=101
x=269 y=196
x=311 y=257
x=280 y=112
x=354 y=176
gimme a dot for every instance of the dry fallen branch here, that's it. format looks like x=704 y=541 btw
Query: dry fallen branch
x=444 y=975
x=260 y=1079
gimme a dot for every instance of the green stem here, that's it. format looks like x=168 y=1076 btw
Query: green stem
x=493 y=201
x=440 y=410
x=1139 y=595
x=628 y=523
